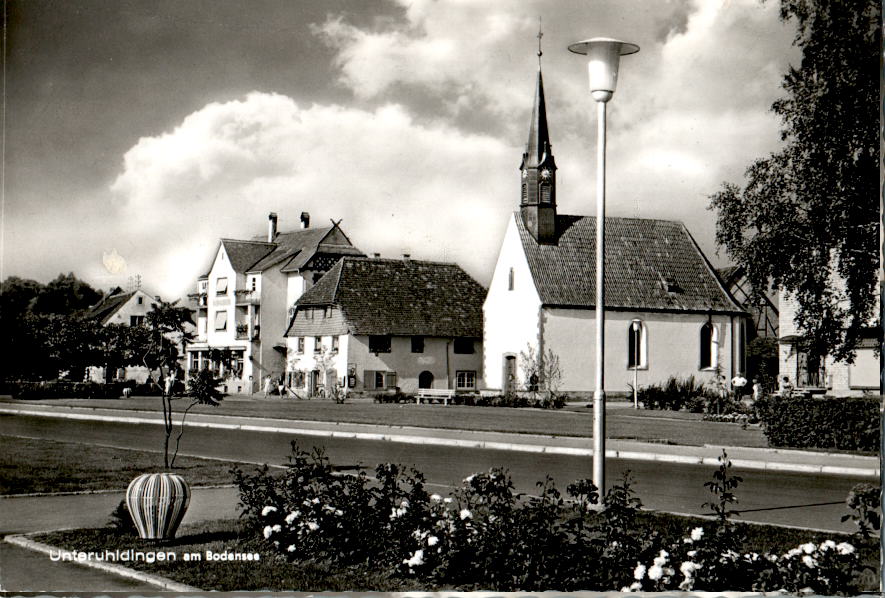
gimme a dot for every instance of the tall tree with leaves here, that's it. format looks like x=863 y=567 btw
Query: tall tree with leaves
x=807 y=218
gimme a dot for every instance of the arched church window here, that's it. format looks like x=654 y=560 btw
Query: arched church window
x=709 y=343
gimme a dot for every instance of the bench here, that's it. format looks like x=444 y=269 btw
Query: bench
x=439 y=395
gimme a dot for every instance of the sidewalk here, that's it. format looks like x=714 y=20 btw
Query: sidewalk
x=24 y=570
x=741 y=457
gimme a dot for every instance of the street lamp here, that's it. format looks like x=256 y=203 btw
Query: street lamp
x=603 y=56
x=636 y=325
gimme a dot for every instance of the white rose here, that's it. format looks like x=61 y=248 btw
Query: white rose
x=466 y=514
x=639 y=572
x=697 y=533
x=432 y=541
x=655 y=572
x=809 y=562
x=267 y=510
x=808 y=548
x=268 y=530
x=844 y=548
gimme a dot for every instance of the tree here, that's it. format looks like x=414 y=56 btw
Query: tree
x=807 y=218
x=541 y=371
x=66 y=294
x=167 y=323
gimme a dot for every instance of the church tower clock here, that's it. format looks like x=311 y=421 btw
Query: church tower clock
x=538 y=169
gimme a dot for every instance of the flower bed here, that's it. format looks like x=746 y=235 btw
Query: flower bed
x=485 y=536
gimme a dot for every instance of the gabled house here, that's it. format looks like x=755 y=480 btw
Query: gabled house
x=375 y=324
x=542 y=293
x=128 y=309
x=246 y=297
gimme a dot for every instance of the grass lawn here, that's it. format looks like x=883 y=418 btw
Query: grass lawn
x=272 y=573
x=28 y=465
x=621 y=423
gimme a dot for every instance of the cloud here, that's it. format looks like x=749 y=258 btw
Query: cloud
x=692 y=107
x=400 y=186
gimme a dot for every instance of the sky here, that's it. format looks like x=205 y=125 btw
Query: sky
x=140 y=132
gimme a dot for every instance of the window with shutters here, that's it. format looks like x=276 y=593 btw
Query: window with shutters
x=546 y=194
x=221 y=286
x=301 y=344
x=220 y=320
x=335 y=344
x=317 y=344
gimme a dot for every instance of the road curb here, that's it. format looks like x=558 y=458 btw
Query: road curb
x=22 y=541
x=632 y=455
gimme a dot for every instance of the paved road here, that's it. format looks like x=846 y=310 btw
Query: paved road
x=672 y=487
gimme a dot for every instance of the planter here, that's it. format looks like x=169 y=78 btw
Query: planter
x=157 y=503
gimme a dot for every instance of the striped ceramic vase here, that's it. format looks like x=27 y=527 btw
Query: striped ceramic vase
x=157 y=503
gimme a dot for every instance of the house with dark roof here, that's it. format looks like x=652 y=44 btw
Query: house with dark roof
x=128 y=309
x=667 y=312
x=374 y=324
x=245 y=299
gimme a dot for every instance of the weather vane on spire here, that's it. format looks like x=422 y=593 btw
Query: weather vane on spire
x=539 y=36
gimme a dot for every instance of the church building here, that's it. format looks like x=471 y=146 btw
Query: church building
x=667 y=312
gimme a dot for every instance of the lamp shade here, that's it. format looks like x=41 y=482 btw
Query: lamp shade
x=603 y=55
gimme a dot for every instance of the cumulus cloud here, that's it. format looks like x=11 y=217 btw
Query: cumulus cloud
x=691 y=110
x=400 y=186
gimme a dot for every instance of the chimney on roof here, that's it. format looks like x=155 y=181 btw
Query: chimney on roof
x=305 y=220
x=376 y=255
x=406 y=257
x=157 y=298
x=271 y=227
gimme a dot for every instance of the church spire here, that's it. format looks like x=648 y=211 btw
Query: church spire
x=538 y=201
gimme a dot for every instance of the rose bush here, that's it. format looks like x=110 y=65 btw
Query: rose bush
x=487 y=536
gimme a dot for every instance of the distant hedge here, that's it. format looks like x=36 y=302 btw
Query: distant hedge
x=64 y=390
x=850 y=423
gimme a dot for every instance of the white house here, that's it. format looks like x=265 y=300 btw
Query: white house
x=542 y=293
x=379 y=324
x=831 y=377
x=245 y=299
x=128 y=309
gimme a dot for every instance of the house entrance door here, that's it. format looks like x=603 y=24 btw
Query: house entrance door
x=312 y=382
x=425 y=379
x=509 y=373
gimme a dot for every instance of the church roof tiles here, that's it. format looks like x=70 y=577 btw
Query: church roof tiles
x=649 y=265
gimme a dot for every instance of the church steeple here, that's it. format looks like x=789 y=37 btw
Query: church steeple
x=538 y=169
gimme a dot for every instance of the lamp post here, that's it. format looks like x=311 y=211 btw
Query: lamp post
x=636 y=325
x=603 y=56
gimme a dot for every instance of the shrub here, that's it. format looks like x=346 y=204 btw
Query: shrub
x=676 y=393
x=65 y=390
x=487 y=536
x=850 y=423
x=121 y=521
x=864 y=500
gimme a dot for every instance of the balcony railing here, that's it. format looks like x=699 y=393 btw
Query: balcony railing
x=242 y=332
x=248 y=297
x=198 y=298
